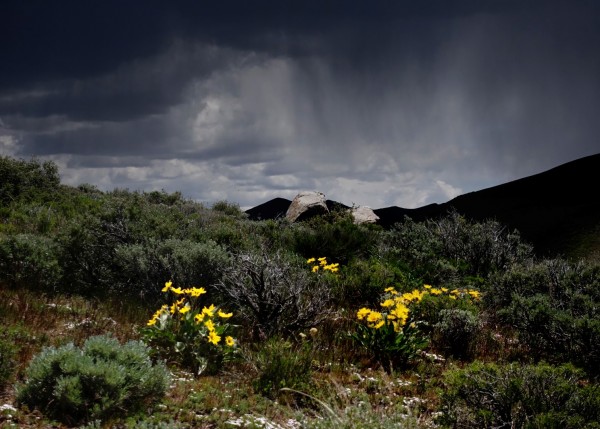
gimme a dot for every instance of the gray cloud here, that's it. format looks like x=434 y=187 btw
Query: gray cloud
x=396 y=104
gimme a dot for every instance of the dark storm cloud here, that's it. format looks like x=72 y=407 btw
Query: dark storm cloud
x=398 y=101
x=45 y=41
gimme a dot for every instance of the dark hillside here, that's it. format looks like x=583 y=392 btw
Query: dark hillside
x=272 y=209
x=558 y=211
x=554 y=210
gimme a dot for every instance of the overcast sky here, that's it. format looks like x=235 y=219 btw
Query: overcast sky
x=373 y=103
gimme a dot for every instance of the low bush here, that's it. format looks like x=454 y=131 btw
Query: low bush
x=31 y=261
x=282 y=364
x=7 y=362
x=141 y=268
x=444 y=250
x=519 y=396
x=363 y=281
x=553 y=308
x=20 y=178
x=336 y=236
x=231 y=209
x=455 y=332
x=100 y=381
x=275 y=294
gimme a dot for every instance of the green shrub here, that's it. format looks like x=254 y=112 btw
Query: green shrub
x=20 y=178
x=430 y=309
x=553 y=308
x=443 y=250
x=31 y=261
x=519 y=396
x=338 y=237
x=7 y=362
x=553 y=333
x=524 y=280
x=230 y=209
x=455 y=331
x=143 y=267
x=87 y=257
x=482 y=247
x=363 y=280
x=281 y=364
x=101 y=380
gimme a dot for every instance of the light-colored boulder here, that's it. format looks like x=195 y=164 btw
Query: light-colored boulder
x=305 y=205
x=364 y=214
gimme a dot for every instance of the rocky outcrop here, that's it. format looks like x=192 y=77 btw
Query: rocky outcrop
x=364 y=214
x=306 y=205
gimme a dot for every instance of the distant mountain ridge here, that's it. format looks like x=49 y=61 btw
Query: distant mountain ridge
x=557 y=210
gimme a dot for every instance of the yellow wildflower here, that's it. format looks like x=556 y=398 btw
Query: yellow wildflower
x=197 y=291
x=160 y=311
x=167 y=286
x=185 y=309
x=229 y=341
x=224 y=315
x=378 y=325
x=362 y=313
x=151 y=322
x=389 y=289
x=308 y=261
x=209 y=311
x=176 y=305
x=315 y=268
x=331 y=267
x=427 y=286
x=452 y=296
x=415 y=295
x=407 y=296
x=199 y=317
x=445 y=289
x=374 y=316
x=400 y=312
x=418 y=295
x=435 y=291
x=209 y=325
x=388 y=303
x=176 y=290
x=474 y=294
x=213 y=338
x=323 y=258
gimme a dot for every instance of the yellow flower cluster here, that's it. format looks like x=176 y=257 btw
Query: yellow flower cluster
x=194 y=291
x=322 y=264
x=396 y=305
x=181 y=307
x=395 y=310
x=454 y=293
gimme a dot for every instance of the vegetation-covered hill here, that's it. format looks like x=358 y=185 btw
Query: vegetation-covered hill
x=556 y=210
x=105 y=296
